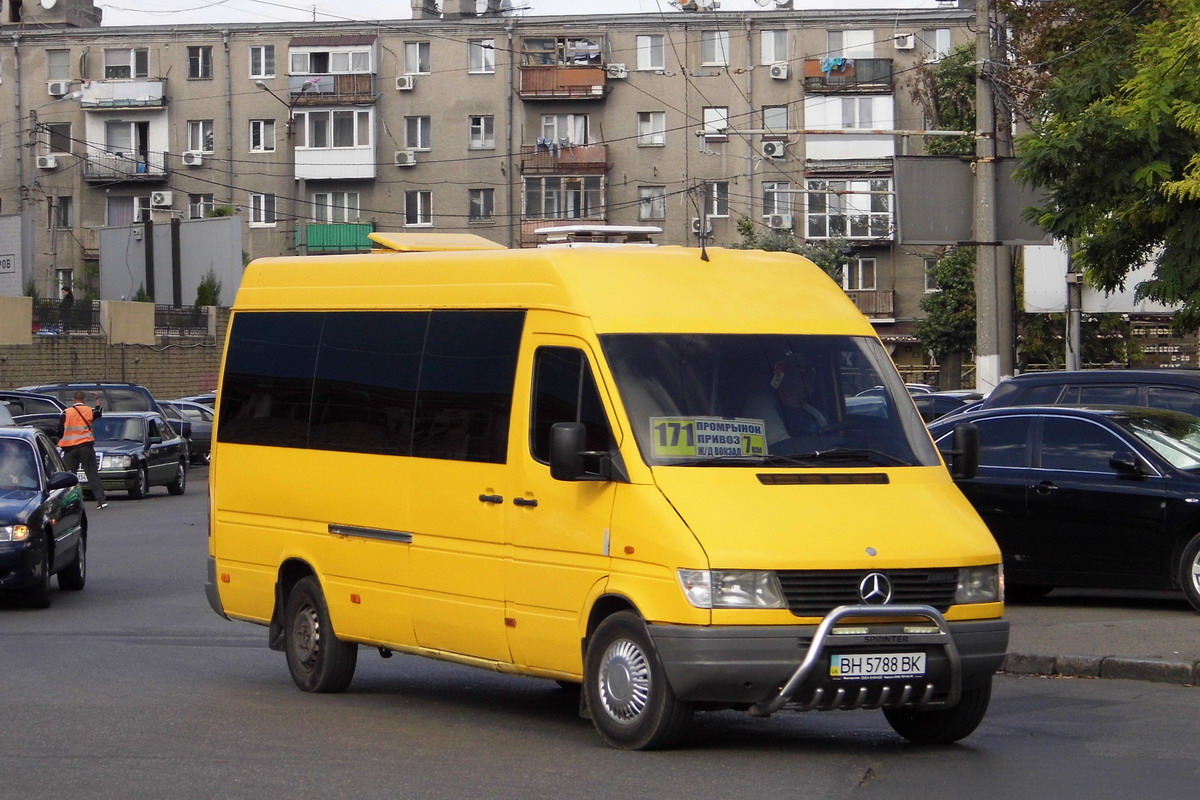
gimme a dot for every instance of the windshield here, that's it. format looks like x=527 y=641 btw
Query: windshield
x=755 y=399
x=119 y=428
x=1175 y=437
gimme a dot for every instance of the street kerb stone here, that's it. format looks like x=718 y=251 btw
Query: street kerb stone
x=1145 y=669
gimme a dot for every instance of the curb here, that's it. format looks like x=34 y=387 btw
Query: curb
x=1182 y=673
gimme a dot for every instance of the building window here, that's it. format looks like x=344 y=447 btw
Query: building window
x=61 y=213
x=564 y=197
x=200 y=62
x=262 y=135
x=200 y=135
x=262 y=210
x=717 y=199
x=651 y=128
x=651 y=54
x=416 y=58
x=481 y=56
x=849 y=209
x=262 y=61
x=323 y=129
x=482 y=204
x=327 y=62
x=857 y=112
x=652 y=202
x=562 y=51
x=931 y=283
x=483 y=132
x=714 y=48
x=935 y=43
x=126 y=210
x=774 y=47
x=418 y=208
x=716 y=120
x=859 y=274
x=565 y=129
x=58 y=65
x=200 y=205
x=851 y=44
x=124 y=64
x=58 y=137
x=417 y=133
x=776 y=198
x=775 y=118
x=335 y=206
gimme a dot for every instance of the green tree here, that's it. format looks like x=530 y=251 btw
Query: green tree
x=825 y=253
x=141 y=295
x=208 y=292
x=946 y=91
x=948 y=329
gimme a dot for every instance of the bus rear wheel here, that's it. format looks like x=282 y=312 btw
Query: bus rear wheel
x=316 y=658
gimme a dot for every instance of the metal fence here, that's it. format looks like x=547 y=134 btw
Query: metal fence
x=180 y=320
x=53 y=318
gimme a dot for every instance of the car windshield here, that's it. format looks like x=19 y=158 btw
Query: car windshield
x=1175 y=437
x=18 y=469
x=119 y=428
x=766 y=399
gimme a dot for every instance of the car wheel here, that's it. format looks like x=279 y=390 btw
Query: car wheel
x=38 y=595
x=628 y=698
x=180 y=483
x=1189 y=572
x=74 y=575
x=317 y=659
x=139 y=490
x=943 y=725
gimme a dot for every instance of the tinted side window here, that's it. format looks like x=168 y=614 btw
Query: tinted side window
x=1185 y=400
x=1074 y=444
x=1103 y=395
x=1041 y=395
x=465 y=395
x=1002 y=442
x=564 y=390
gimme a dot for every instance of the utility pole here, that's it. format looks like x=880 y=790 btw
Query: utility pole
x=988 y=367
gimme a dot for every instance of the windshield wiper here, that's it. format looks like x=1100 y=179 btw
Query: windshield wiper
x=846 y=454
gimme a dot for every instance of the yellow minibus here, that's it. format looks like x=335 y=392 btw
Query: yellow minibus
x=646 y=471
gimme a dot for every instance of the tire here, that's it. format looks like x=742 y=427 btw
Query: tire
x=628 y=698
x=943 y=725
x=179 y=485
x=1189 y=572
x=142 y=488
x=318 y=660
x=38 y=595
x=74 y=575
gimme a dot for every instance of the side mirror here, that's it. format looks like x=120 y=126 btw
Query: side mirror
x=1125 y=464
x=963 y=460
x=62 y=480
x=566 y=450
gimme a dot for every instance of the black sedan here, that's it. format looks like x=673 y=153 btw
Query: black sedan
x=37 y=410
x=1094 y=497
x=137 y=450
x=43 y=526
x=201 y=418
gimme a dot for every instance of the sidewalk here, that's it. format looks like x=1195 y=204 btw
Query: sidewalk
x=1152 y=636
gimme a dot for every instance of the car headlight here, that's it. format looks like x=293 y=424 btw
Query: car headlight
x=116 y=462
x=980 y=584
x=731 y=588
x=14 y=533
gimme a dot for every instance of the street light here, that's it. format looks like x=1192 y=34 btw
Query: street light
x=298 y=201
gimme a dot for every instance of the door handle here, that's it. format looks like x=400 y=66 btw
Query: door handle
x=490 y=498
x=525 y=501
x=1045 y=487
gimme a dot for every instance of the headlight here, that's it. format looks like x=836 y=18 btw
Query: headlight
x=116 y=462
x=980 y=584
x=14 y=533
x=731 y=588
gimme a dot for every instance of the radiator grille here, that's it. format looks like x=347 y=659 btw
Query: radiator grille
x=814 y=593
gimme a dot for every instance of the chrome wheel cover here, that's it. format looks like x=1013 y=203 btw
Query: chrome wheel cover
x=625 y=681
x=1194 y=569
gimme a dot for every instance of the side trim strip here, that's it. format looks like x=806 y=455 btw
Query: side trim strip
x=403 y=537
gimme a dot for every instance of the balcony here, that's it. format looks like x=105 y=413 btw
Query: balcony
x=341 y=237
x=564 y=159
x=528 y=226
x=874 y=304
x=335 y=163
x=123 y=94
x=351 y=89
x=125 y=167
x=848 y=74
x=559 y=82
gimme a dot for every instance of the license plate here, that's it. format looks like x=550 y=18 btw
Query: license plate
x=877 y=665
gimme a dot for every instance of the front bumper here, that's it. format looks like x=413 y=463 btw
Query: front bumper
x=20 y=563
x=768 y=668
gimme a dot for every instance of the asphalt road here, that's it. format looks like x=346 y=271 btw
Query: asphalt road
x=133 y=688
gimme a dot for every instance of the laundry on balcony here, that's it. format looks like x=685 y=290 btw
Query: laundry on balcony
x=829 y=65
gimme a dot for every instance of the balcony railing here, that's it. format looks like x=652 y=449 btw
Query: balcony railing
x=307 y=90
x=125 y=167
x=875 y=304
x=51 y=319
x=338 y=237
x=551 y=157
x=848 y=74
x=113 y=94
x=556 y=82
x=180 y=320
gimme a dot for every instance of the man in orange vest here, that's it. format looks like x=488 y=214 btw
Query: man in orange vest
x=79 y=446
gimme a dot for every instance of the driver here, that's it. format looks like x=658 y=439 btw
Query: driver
x=788 y=412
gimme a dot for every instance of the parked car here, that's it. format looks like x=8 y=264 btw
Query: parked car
x=181 y=425
x=201 y=418
x=1175 y=389
x=206 y=399
x=43 y=525
x=138 y=450
x=114 y=395
x=936 y=404
x=1093 y=497
x=40 y=411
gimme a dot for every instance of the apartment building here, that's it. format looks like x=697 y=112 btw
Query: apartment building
x=315 y=134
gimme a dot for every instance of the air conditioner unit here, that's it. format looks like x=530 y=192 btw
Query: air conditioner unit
x=905 y=41
x=774 y=150
x=161 y=199
x=405 y=83
x=406 y=158
x=617 y=71
x=58 y=88
x=47 y=162
x=779 y=70
x=696 y=225
x=192 y=158
x=780 y=222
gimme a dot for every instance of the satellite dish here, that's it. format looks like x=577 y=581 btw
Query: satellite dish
x=703 y=4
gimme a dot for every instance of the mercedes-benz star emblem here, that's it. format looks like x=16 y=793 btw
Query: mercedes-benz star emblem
x=875 y=589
